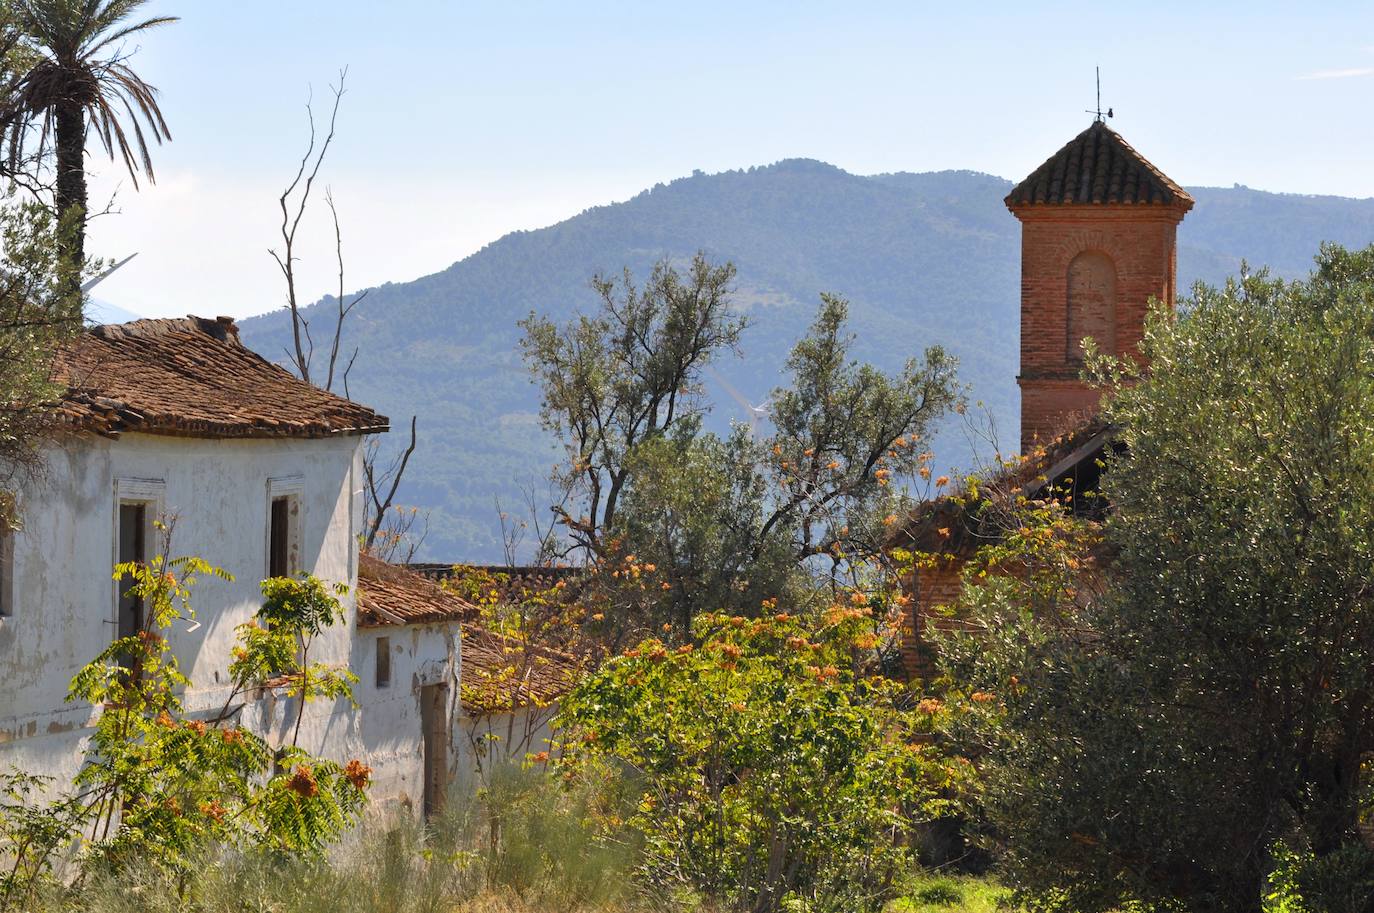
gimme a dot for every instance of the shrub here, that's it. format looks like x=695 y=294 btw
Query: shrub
x=768 y=770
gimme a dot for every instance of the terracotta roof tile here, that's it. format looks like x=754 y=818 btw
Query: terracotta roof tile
x=392 y=595
x=1098 y=166
x=508 y=583
x=193 y=377
x=500 y=675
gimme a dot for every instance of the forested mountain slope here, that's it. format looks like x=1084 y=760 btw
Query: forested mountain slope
x=923 y=259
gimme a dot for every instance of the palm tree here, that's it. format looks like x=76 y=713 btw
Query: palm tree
x=79 y=78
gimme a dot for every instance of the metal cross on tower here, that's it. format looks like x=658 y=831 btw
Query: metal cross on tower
x=1098 y=114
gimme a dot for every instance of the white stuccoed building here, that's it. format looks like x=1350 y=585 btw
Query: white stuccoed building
x=256 y=472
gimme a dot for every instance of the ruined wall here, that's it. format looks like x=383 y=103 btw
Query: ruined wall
x=928 y=588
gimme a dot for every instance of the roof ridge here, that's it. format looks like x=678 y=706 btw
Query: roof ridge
x=221 y=328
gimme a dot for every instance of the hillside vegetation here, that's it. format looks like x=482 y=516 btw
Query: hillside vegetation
x=922 y=258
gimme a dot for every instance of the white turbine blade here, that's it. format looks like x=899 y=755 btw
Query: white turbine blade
x=730 y=389
x=96 y=280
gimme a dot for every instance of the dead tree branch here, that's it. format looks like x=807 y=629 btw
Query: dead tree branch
x=292 y=211
x=345 y=307
x=379 y=505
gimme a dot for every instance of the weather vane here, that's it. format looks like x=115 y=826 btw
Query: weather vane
x=1099 y=113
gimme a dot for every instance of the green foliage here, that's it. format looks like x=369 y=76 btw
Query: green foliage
x=677 y=521
x=1338 y=882
x=528 y=844
x=1210 y=697
x=161 y=787
x=934 y=893
x=276 y=643
x=627 y=375
x=36 y=317
x=770 y=769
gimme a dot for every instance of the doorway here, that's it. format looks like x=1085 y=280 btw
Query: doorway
x=434 y=744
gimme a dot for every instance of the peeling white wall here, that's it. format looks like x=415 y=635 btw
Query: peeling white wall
x=216 y=492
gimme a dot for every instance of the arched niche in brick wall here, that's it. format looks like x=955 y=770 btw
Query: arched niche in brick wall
x=1091 y=303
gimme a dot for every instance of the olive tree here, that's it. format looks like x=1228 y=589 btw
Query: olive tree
x=677 y=520
x=1209 y=710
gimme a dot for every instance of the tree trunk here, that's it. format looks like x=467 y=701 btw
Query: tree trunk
x=70 y=193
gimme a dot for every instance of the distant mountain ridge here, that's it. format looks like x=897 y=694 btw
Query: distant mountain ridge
x=924 y=259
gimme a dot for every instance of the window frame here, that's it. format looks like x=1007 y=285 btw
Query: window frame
x=151 y=494
x=382 y=662
x=290 y=489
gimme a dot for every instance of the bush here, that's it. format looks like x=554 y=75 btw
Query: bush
x=769 y=772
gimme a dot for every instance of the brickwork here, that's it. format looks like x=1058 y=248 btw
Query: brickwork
x=931 y=587
x=1137 y=244
x=1098 y=243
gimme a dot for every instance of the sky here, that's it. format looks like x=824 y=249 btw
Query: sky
x=464 y=120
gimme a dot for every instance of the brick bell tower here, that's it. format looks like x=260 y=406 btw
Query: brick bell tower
x=1098 y=225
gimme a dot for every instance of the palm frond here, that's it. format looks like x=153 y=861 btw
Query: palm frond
x=127 y=31
x=120 y=106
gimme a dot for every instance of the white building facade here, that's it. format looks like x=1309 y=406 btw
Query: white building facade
x=173 y=423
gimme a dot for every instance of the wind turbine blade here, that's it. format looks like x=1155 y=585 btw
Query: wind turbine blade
x=96 y=280
x=730 y=389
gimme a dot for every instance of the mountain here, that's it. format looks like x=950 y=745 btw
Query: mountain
x=924 y=259
x=99 y=310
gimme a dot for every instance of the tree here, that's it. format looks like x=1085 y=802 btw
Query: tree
x=37 y=316
x=677 y=521
x=162 y=786
x=630 y=374
x=81 y=78
x=1206 y=713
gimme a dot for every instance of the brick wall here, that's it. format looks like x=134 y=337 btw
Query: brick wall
x=929 y=588
x=1139 y=241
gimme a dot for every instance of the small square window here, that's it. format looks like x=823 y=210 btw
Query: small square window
x=383 y=662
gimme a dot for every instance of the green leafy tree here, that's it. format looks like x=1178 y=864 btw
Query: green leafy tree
x=37 y=317
x=681 y=521
x=772 y=771
x=627 y=375
x=1202 y=716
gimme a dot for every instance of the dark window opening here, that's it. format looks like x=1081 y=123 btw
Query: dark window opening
x=6 y=573
x=132 y=548
x=279 y=539
x=383 y=662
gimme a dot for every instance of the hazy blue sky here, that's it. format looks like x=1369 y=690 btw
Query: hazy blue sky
x=466 y=120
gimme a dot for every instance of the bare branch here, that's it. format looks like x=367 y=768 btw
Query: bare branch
x=292 y=211
x=390 y=480
x=344 y=308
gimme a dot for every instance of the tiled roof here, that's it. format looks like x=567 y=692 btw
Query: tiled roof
x=391 y=595
x=501 y=583
x=193 y=377
x=500 y=675
x=1098 y=166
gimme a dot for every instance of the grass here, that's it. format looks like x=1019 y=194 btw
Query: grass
x=952 y=894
